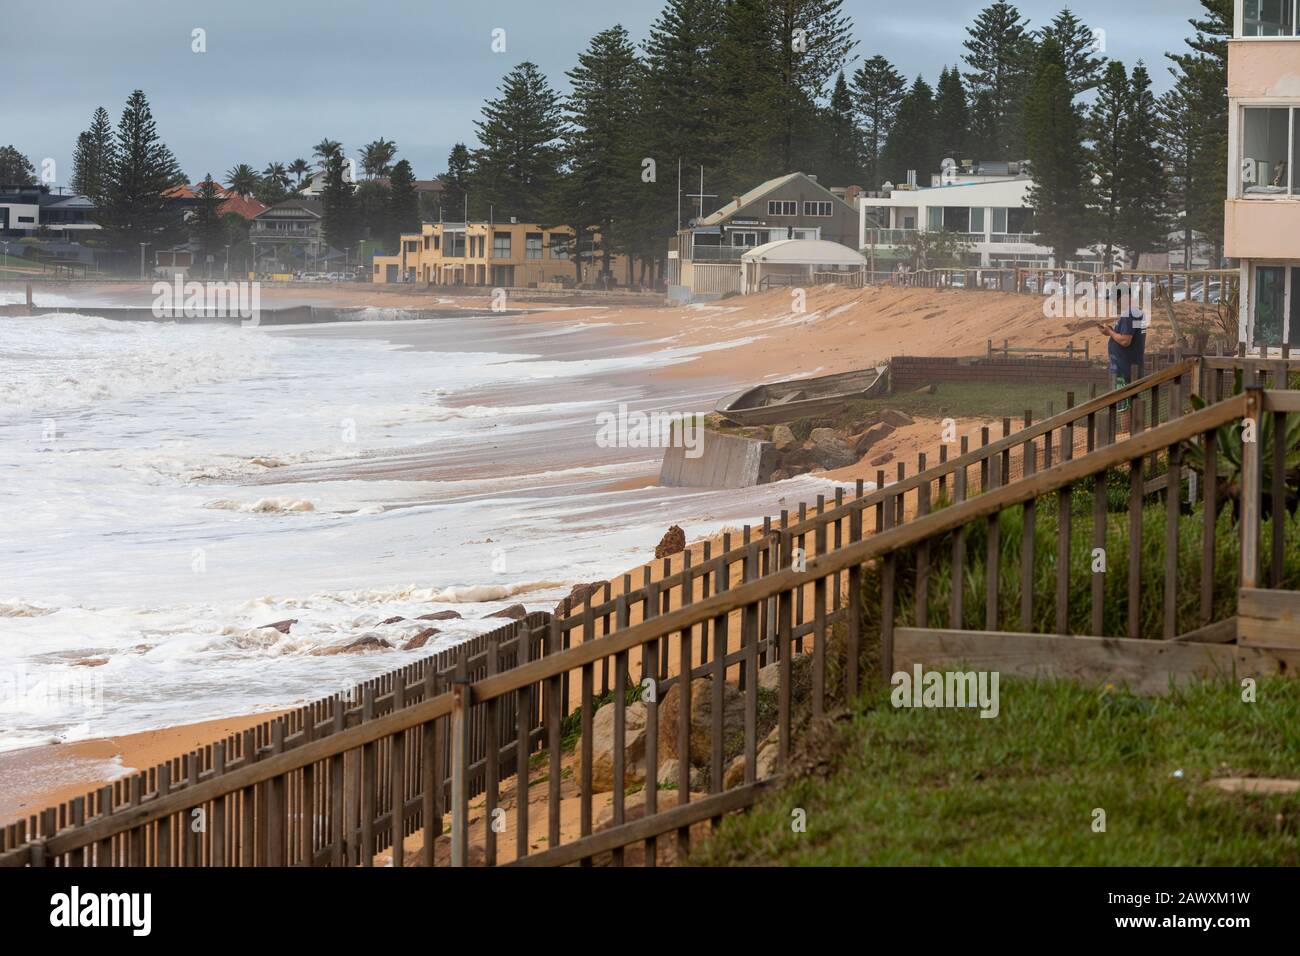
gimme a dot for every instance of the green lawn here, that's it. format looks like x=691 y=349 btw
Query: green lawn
x=892 y=786
x=975 y=399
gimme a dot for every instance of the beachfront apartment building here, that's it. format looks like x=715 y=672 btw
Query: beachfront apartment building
x=987 y=206
x=27 y=211
x=497 y=255
x=1262 y=209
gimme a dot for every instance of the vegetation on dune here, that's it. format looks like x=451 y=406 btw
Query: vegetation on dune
x=886 y=786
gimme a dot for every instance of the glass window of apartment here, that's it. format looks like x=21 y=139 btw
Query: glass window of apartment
x=455 y=245
x=744 y=239
x=1270 y=305
x=977 y=220
x=501 y=245
x=782 y=207
x=1266 y=146
x=559 y=245
x=1020 y=221
x=533 y=245
x=822 y=209
x=934 y=218
x=956 y=218
x=1269 y=18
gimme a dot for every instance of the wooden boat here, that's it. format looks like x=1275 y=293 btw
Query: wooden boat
x=802 y=398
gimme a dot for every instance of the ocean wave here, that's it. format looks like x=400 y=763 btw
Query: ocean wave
x=264 y=506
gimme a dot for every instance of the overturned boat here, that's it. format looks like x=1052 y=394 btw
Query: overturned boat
x=802 y=398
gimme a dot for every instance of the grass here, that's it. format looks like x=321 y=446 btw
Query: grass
x=889 y=786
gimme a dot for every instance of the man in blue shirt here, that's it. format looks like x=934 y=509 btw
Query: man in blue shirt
x=1127 y=343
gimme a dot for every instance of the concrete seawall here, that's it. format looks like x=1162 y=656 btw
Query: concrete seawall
x=726 y=461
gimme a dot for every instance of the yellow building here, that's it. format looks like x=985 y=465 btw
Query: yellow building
x=504 y=255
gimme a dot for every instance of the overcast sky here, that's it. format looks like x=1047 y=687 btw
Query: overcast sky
x=280 y=75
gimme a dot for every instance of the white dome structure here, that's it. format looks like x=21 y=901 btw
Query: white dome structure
x=786 y=261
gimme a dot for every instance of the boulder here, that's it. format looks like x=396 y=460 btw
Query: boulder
x=602 y=748
x=362 y=645
x=829 y=450
x=884 y=459
x=769 y=750
x=572 y=603
x=419 y=640
x=392 y=620
x=701 y=719
x=439 y=616
x=896 y=418
x=516 y=612
x=872 y=436
x=782 y=437
x=673 y=542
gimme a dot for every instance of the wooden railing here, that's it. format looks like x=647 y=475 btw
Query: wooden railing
x=337 y=785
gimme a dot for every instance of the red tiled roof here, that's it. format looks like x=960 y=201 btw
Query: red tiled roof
x=246 y=206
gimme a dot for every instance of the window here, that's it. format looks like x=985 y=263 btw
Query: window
x=413 y=246
x=782 y=207
x=1270 y=303
x=977 y=220
x=533 y=245
x=934 y=218
x=559 y=245
x=744 y=240
x=822 y=209
x=1000 y=221
x=426 y=243
x=1267 y=144
x=501 y=245
x=1269 y=18
x=437 y=240
x=455 y=248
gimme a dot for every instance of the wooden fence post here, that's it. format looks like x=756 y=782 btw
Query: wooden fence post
x=1250 y=492
x=459 y=772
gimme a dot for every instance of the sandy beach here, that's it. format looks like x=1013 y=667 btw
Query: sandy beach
x=570 y=511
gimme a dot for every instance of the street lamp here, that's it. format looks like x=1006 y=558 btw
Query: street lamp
x=142 y=248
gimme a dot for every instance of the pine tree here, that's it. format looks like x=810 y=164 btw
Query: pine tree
x=912 y=140
x=678 y=80
x=15 y=168
x=1079 y=44
x=340 y=224
x=206 y=226
x=1107 y=124
x=455 y=184
x=843 y=163
x=1144 y=220
x=1054 y=140
x=136 y=209
x=403 y=203
x=93 y=158
x=1202 y=76
x=1177 y=109
x=517 y=164
x=878 y=89
x=952 y=117
x=983 y=139
x=605 y=174
x=998 y=52
x=814 y=39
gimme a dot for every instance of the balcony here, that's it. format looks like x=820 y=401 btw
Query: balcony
x=889 y=237
x=718 y=253
x=1259 y=229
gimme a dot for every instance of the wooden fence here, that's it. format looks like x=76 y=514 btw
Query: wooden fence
x=324 y=792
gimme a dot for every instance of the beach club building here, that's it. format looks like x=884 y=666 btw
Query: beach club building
x=704 y=261
x=985 y=205
x=497 y=255
x=1262 y=210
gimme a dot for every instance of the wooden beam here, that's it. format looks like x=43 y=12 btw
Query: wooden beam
x=1148 y=667
x=1268 y=618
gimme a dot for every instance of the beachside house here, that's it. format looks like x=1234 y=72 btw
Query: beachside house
x=35 y=210
x=287 y=237
x=498 y=255
x=985 y=205
x=1262 y=209
x=704 y=259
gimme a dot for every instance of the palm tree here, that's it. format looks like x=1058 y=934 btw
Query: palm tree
x=377 y=157
x=242 y=180
x=276 y=173
x=300 y=168
x=326 y=150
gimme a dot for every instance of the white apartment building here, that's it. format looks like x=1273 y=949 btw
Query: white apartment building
x=1262 y=210
x=985 y=206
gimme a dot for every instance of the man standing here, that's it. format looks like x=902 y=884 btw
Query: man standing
x=1127 y=343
